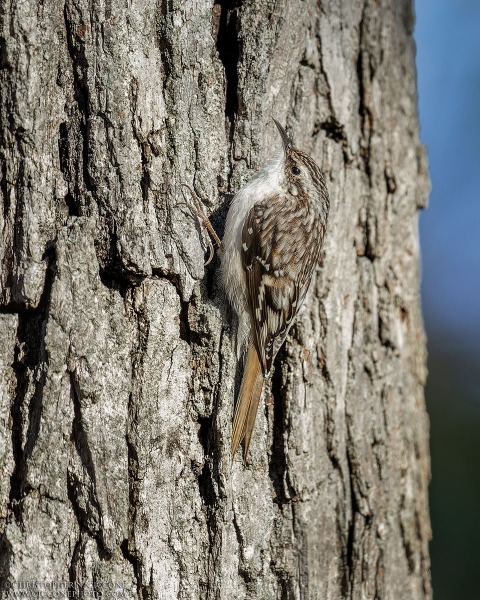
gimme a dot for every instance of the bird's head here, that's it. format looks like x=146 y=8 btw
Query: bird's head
x=301 y=175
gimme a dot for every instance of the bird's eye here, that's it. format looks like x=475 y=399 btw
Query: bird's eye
x=295 y=170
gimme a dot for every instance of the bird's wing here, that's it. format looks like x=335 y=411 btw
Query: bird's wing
x=281 y=239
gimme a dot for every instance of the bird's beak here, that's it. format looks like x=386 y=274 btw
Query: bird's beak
x=287 y=143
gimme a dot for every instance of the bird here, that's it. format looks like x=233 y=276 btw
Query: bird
x=274 y=233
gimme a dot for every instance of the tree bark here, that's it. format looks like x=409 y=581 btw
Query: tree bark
x=118 y=369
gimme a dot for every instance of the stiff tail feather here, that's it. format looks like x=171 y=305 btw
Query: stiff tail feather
x=247 y=403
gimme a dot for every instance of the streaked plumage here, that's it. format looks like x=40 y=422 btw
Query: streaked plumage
x=273 y=237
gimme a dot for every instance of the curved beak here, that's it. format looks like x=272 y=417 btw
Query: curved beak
x=287 y=143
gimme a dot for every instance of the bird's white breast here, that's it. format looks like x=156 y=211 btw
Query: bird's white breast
x=266 y=182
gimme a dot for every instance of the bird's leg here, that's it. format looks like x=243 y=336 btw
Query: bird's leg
x=196 y=207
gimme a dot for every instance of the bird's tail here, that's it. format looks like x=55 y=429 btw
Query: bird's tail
x=247 y=403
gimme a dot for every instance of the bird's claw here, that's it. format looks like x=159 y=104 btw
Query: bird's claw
x=197 y=208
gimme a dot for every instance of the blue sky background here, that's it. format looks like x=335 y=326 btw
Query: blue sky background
x=448 y=66
x=448 y=63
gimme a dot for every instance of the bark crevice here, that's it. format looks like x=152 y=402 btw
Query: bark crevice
x=228 y=47
x=278 y=470
x=30 y=371
x=74 y=139
x=82 y=491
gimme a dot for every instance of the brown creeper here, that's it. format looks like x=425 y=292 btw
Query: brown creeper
x=273 y=236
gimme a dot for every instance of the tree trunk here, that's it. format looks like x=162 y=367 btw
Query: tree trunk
x=118 y=369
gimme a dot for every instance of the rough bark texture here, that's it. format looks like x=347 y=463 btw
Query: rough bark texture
x=117 y=365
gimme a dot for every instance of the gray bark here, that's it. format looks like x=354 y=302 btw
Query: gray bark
x=117 y=360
